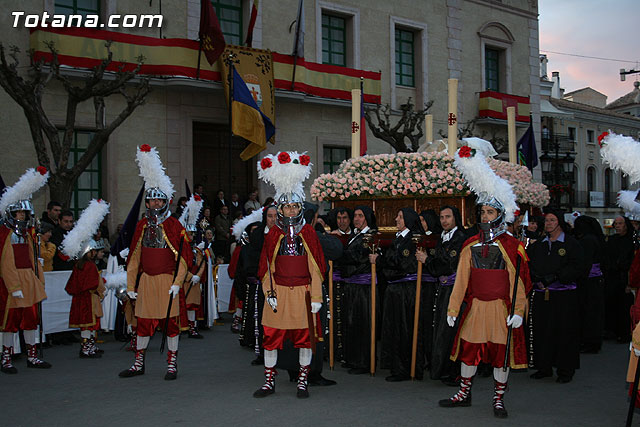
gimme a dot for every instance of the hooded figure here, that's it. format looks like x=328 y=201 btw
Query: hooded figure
x=432 y=222
x=556 y=264
x=399 y=267
x=591 y=285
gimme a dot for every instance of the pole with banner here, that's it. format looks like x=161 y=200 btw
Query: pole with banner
x=511 y=132
x=452 y=117
x=355 y=123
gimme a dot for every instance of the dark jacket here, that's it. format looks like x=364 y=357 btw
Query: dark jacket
x=399 y=259
x=443 y=259
x=562 y=261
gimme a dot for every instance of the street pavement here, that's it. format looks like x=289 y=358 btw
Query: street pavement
x=216 y=381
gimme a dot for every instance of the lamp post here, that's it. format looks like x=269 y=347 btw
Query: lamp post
x=557 y=169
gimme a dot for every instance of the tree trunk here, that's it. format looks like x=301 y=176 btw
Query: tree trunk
x=61 y=190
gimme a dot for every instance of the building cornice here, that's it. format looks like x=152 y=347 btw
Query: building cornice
x=505 y=8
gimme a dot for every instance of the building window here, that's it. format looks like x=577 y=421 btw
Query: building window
x=624 y=181
x=591 y=178
x=492 y=69
x=607 y=186
x=405 y=62
x=77 y=7
x=590 y=136
x=89 y=183
x=334 y=40
x=333 y=157
x=229 y=14
x=572 y=134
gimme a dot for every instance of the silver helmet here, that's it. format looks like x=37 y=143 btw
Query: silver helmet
x=283 y=221
x=157 y=216
x=19 y=226
x=90 y=245
x=492 y=229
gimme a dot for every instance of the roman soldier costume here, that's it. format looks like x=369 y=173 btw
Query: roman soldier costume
x=291 y=269
x=156 y=266
x=486 y=282
x=197 y=266
x=85 y=284
x=21 y=275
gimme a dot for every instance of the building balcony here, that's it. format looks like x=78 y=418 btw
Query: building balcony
x=563 y=143
x=174 y=62
x=593 y=199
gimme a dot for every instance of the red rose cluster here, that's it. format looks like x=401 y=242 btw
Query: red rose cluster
x=284 y=158
x=145 y=148
x=197 y=198
x=304 y=160
x=265 y=163
x=41 y=170
x=465 y=151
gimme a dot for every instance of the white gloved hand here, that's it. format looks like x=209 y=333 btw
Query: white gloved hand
x=41 y=261
x=200 y=246
x=515 y=322
x=315 y=307
x=124 y=253
x=132 y=295
x=174 y=290
x=635 y=350
x=17 y=294
x=273 y=302
x=195 y=279
x=451 y=321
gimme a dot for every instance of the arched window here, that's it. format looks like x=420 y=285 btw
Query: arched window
x=591 y=178
x=607 y=186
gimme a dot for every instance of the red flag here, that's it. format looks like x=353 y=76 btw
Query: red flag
x=210 y=33
x=252 y=23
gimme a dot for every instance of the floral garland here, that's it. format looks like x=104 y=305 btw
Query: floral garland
x=417 y=175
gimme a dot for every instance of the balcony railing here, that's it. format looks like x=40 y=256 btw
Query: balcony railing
x=582 y=199
x=564 y=143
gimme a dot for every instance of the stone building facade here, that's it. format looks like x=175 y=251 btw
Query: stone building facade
x=415 y=45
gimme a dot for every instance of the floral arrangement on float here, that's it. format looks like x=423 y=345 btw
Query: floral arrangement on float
x=417 y=175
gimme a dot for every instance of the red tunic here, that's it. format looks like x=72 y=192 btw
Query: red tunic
x=83 y=285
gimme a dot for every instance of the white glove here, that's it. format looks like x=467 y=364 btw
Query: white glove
x=195 y=279
x=315 y=307
x=132 y=295
x=17 y=294
x=451 y=321
x=273 y=302
x=124 y=253
x=635 y=350
x=515 y=322
x=41 y=261
x=174 y=290
x=200 y=246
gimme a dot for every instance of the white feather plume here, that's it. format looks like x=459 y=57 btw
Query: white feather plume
x=627 y=201
x=622 y=153
x=152 y=171
x=30 y=182
x=238 y=229
x=285 y=177
x=483 y=181
x=481 y=145
x=117 y=280
x=86 y=226
x=191 y=212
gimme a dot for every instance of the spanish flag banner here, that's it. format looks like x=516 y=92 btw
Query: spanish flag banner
x=247 y=121
x=84 y=48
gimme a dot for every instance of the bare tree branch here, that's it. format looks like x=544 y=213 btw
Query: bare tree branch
x=405 y=128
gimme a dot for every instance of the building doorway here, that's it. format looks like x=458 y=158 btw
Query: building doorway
x=219 y=167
